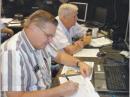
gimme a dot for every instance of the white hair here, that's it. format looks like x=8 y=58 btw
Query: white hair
x=66 y=9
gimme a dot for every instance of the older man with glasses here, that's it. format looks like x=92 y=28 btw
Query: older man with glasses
x=25 y=60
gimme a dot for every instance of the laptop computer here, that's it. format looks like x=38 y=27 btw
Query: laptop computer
x=111 y=77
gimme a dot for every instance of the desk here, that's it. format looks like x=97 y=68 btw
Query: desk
x=114 y=54
x=100 y=60
x=15 y=24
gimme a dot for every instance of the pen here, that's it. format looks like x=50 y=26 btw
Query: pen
x=66 y=77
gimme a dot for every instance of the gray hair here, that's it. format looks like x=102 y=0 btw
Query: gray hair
x=66 y=9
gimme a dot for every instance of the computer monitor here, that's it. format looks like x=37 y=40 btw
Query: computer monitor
x=126 y=39
x=100 y=15
x=82 y=10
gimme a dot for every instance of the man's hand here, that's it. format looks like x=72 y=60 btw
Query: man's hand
x=87 y=39
x=84 y=69
x=79 y=43
x=68 y=88
x=8 y=31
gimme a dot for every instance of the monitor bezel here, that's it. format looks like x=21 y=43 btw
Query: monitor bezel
x=85 y=14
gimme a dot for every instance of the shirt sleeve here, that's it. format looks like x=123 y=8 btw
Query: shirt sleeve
x=60 y=40
x=11 y=71
x=52 y=50
x=78 y=30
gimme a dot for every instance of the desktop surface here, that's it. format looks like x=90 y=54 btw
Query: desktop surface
x=112 y=55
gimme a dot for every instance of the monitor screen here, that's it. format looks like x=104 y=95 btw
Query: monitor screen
x=82 y=10
x=100 y=15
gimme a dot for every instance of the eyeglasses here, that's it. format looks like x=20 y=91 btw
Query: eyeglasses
x=47 y=34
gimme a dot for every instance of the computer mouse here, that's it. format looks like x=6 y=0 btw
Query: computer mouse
x=101 y=54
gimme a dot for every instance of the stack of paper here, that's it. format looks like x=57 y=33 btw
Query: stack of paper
x=99 y=42
x=87 y=53
x=86 y=88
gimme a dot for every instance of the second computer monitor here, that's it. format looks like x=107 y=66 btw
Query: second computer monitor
x=82 y=10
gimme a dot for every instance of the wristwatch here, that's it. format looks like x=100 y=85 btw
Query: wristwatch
x=77 y=64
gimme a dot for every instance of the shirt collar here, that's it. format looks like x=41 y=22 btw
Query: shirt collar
x=60 y=24
x=26 y=40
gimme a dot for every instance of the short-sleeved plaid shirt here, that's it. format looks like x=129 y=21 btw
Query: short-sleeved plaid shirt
x=24 y=68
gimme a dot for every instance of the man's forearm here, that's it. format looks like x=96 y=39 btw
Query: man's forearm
x=71 y=49
x=66 y=59
x=53 y=92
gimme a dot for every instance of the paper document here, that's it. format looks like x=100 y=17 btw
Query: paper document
x=91 y=64
x=16 y=25
x=76 y=70
x=86 y=88
x=99 y=42
x=87 y=53
x=125 y=53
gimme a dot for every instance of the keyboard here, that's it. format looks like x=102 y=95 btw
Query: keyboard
x=117 y=77
x=113 y=95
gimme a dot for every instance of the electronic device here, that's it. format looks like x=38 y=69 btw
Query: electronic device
x=125 y=52
x=121 y=43
x=112 y=77
x=113 y=95
x=117 y=78
x=98 y=18
x=82 y=10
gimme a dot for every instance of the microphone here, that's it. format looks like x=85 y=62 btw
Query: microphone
x=36 y=68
